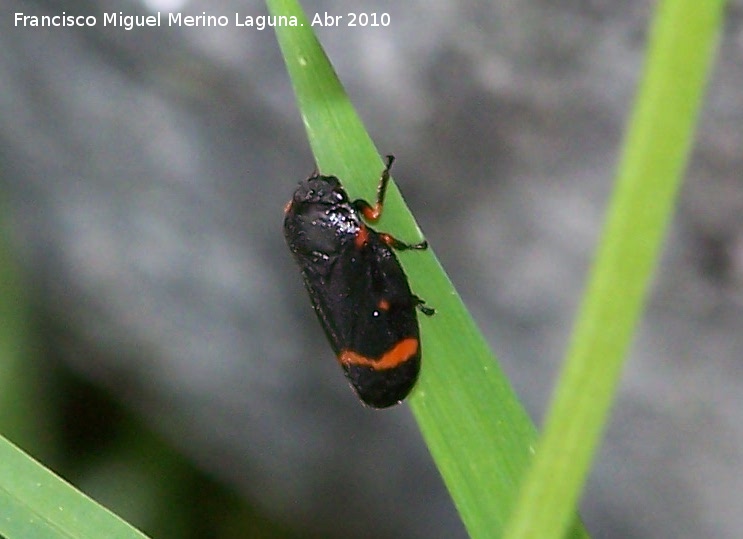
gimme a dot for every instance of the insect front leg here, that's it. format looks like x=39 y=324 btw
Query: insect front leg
x=373 y=213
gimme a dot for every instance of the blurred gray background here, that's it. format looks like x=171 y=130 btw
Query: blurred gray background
x=144 y=175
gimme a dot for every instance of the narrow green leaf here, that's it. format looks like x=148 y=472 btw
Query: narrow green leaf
x=34 y=502
x=476 y=429
x=682 y=45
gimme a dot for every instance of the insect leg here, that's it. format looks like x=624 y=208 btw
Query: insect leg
x=372 y=213
x=400 y=245
x=421 y=306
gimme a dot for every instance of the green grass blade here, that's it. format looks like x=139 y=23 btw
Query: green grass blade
x=36 y=503
x=477 y=431
x=681 y=48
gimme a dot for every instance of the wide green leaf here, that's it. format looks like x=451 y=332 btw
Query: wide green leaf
x=476 y=429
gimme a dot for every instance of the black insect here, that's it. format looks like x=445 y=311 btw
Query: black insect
x=357 y=286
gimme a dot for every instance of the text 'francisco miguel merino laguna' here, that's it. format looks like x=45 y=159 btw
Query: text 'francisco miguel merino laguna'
x=129 y=22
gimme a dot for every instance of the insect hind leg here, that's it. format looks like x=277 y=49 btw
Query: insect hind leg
x=420 y=304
